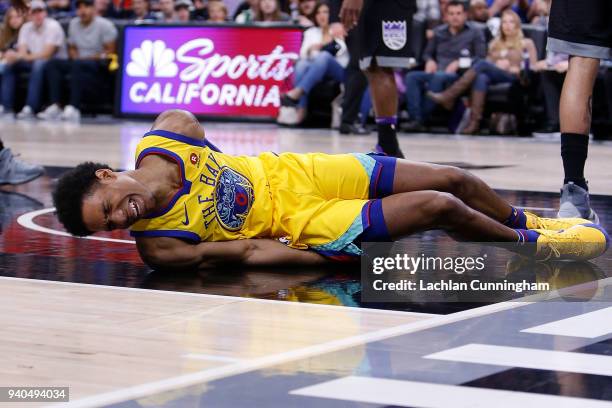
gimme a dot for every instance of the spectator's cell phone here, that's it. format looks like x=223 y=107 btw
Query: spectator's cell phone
x=332 y=47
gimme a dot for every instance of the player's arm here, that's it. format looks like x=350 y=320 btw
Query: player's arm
x=174 y=253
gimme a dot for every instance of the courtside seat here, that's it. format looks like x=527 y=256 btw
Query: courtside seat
x=516 y=98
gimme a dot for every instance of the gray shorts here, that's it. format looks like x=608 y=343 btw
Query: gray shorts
x=581 y=28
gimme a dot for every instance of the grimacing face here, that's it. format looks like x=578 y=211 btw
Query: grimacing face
x=115 y=202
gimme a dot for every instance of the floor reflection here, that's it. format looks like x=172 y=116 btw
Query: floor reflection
x=31 y=254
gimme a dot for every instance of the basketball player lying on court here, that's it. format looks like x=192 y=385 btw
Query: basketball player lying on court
x=189 y=205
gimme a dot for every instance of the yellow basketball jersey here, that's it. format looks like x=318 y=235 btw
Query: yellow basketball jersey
x=309 y=200
x=217 y=200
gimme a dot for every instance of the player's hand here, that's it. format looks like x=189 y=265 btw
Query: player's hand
x=349 y=13
x=541 y=65
x=431 y=67
x=562 y=67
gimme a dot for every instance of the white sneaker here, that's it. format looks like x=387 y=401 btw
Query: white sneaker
x=288 y=116
x=26 y=113
x=52 y=112
x=71 y=114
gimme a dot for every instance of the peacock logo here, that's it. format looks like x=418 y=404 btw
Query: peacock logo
x=152 y=58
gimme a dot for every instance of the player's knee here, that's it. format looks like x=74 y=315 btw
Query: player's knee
x=457 y=181
x=444 y=206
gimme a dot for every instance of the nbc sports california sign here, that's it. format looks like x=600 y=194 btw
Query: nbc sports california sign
x=209 y=70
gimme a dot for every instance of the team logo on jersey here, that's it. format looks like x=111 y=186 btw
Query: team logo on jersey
x=394 y=34
x=233 y=198
x=194 y=159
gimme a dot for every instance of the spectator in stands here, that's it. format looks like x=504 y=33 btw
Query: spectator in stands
x=323 y=55
x=39 y=40
x=12 y=22
x=90 y=40
x=306 y=12
x=503 y=65
x=140 y=11
x=104 y=8
x=217 y=12
x=443 y=4
x=479 y=11
x=182 y=8
x=166 y=11
x=269 y=11
x=248 y=13
x=553 y=70
x=539 y=12
x=441 y=57
x=520 y=7
x=200 y=11
x=119 y=9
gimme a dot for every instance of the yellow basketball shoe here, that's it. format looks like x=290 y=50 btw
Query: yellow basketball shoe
x=551 y=224
x=579 y=242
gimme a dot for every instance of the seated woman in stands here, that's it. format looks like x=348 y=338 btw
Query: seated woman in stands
x=503 y=65
x=13 y=20
x=270 y=11
x=323 y=56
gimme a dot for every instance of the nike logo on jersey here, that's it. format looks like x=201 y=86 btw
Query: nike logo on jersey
x=186 y=222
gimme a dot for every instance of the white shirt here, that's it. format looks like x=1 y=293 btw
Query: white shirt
x=314 y=35
x=49 y=33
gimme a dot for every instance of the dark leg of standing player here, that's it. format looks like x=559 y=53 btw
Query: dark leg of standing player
x=575 y=119
x=384 y=97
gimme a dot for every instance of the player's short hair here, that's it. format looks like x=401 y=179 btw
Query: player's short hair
x=454 y=3
x=69 y=193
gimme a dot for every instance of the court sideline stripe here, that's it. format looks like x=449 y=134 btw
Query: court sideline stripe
x=155 y=387
x=186 y=380
x=235 y=298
